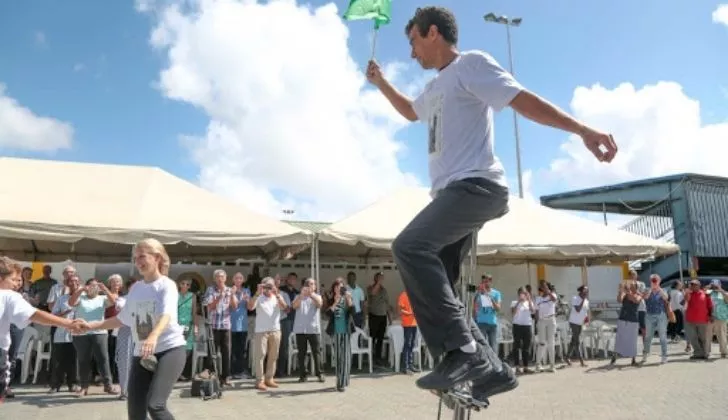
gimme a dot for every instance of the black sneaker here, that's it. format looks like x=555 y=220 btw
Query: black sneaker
x=456 y=367
x=495 y=383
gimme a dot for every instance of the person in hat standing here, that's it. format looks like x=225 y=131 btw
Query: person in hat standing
x=698 y=314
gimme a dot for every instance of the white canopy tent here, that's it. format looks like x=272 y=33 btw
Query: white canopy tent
x=528 y=233
x=53 y=211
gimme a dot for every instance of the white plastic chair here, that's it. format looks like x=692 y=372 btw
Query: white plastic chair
x=395 y=334
x=43 y=351
x=293 y=352
x=25 y=352
x=505 y=336
x=359 y=349
x=199 y=350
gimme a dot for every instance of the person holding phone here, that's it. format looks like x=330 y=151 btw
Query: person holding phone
x=522 y=311
x=577 y=317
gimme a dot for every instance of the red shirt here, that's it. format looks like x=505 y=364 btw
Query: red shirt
x=699 y=308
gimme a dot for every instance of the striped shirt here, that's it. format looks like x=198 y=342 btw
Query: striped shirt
x=219 y=316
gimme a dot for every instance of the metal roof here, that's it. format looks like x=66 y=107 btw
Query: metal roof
x=616 y=205
x=310 y=226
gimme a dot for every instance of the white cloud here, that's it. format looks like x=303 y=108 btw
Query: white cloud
x=293 y=123
x=720 y=14
x=20 y=128
x=658 y=129
x=78 y=67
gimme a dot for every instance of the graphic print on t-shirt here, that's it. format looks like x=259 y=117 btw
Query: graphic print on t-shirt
x=435 y=125
x=143 y=314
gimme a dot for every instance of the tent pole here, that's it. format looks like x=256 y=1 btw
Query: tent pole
x=680 y=266
x=318 y=259
x=313 y=257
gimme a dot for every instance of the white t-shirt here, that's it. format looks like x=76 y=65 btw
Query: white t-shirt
x=145 y=304
x=546 y=307
x=13 y=310
x=458 y=106
x=120 y=301
x=676 y=297
x=267 y=314
x=577 y=318
x=522 y=316
x=61 y=305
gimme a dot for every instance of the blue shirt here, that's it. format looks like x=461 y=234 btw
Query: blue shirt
x=239 y=316
x=486 y=312
x=91 y=309
x=340 y=319
x=655 y=304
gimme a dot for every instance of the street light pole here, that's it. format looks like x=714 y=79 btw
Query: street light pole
x=508 y=22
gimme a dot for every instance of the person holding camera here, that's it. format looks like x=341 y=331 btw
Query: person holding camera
x=89 y=304
x=628 y=323
x=546 y=306
x=340 y=309
x=307 y=327
x=268 y=304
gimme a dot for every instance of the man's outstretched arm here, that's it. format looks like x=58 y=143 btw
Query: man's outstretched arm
x=399 y=101
x=539 y=110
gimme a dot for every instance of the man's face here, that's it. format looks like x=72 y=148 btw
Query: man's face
x=291 y=280
x=67 y=273
x=487 y=282
x=421 y=46
x=351 y=279
x=220 y=279
x=47 y=271
x=238 y=279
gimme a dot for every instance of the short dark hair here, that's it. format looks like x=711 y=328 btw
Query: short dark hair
x=442 y=18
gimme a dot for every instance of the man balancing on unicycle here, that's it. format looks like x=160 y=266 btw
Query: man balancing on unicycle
x=468 y=189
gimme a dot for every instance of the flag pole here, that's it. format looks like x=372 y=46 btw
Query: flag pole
x=374 y=40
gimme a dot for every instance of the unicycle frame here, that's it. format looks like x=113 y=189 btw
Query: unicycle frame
x=463 y=413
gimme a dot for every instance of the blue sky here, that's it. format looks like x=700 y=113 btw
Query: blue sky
x=90 y=64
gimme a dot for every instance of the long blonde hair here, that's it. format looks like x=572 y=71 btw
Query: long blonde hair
x=154 y=247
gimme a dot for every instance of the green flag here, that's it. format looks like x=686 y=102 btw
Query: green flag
x=377 y=10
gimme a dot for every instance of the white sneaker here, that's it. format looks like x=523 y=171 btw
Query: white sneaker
x=644 y=358
x=663 y=360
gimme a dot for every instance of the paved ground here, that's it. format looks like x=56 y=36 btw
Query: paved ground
x=681 y=389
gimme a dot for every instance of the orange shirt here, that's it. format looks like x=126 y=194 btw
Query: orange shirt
x=405 y=311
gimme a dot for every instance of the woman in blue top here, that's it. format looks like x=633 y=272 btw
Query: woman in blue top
x=656 y=304
x=339 y=308
x=89 y=304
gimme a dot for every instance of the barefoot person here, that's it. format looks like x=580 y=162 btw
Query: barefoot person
x=468 y=187
x=15 y=310
x=159 y=343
